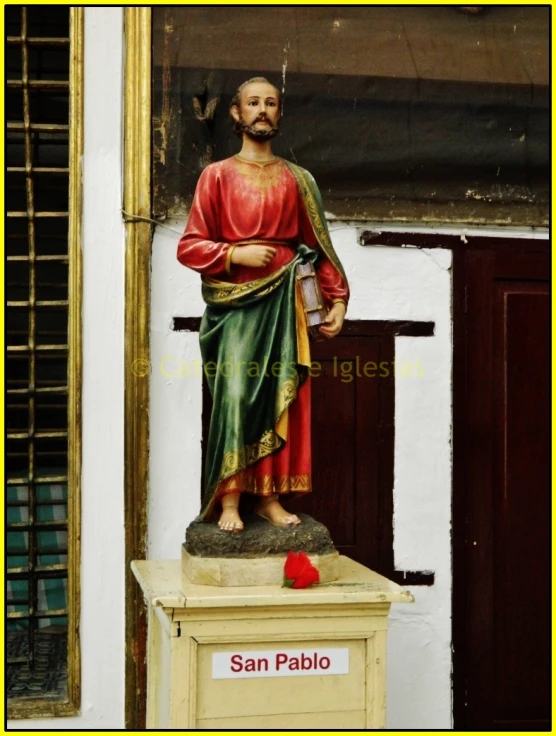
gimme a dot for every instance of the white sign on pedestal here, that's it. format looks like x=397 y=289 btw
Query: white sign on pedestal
x=280 y=663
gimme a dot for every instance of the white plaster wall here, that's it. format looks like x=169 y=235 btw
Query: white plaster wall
x=386 y=283
x=102 y=570
x=175 y=402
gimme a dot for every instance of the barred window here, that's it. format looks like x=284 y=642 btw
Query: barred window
x=42 y=359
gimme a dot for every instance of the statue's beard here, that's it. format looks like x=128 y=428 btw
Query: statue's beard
x=259 y=134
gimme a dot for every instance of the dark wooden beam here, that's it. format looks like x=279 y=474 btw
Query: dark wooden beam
x=464 y=242
x=361 y=328
x=412 y=577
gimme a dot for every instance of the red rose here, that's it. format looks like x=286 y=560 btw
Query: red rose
x=298 y=571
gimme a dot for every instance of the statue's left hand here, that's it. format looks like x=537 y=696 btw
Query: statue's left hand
x=334 y=320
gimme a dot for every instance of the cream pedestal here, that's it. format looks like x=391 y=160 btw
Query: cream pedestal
x=261 y=625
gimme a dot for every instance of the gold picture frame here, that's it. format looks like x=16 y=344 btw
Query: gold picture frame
x=137 y=211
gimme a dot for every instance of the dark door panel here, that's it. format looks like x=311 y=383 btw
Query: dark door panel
x=345 y=420
x=501 y=491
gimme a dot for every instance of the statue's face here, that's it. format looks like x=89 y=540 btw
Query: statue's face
x=258 y=112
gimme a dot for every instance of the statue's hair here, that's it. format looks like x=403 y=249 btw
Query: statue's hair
x=236 y=99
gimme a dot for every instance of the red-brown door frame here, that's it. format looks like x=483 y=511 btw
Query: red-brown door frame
x=461 y=506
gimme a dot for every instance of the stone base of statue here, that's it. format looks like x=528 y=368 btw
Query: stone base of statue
x=255 y=556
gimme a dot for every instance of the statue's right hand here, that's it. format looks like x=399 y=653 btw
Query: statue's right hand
x=254 y=256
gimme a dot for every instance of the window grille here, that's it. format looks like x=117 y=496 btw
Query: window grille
x=38 y=417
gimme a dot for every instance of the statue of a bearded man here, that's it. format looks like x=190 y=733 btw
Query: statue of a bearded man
x=254 y=218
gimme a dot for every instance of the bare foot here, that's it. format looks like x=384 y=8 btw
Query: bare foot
x=230 y=520
x=272 y=510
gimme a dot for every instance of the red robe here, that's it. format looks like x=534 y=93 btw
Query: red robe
x=236 y=201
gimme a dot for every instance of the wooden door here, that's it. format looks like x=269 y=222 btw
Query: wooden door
x=346 y=415
x=502 y=489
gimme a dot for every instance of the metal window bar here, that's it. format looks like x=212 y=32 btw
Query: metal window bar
x=32 y=505
x=17 y=40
